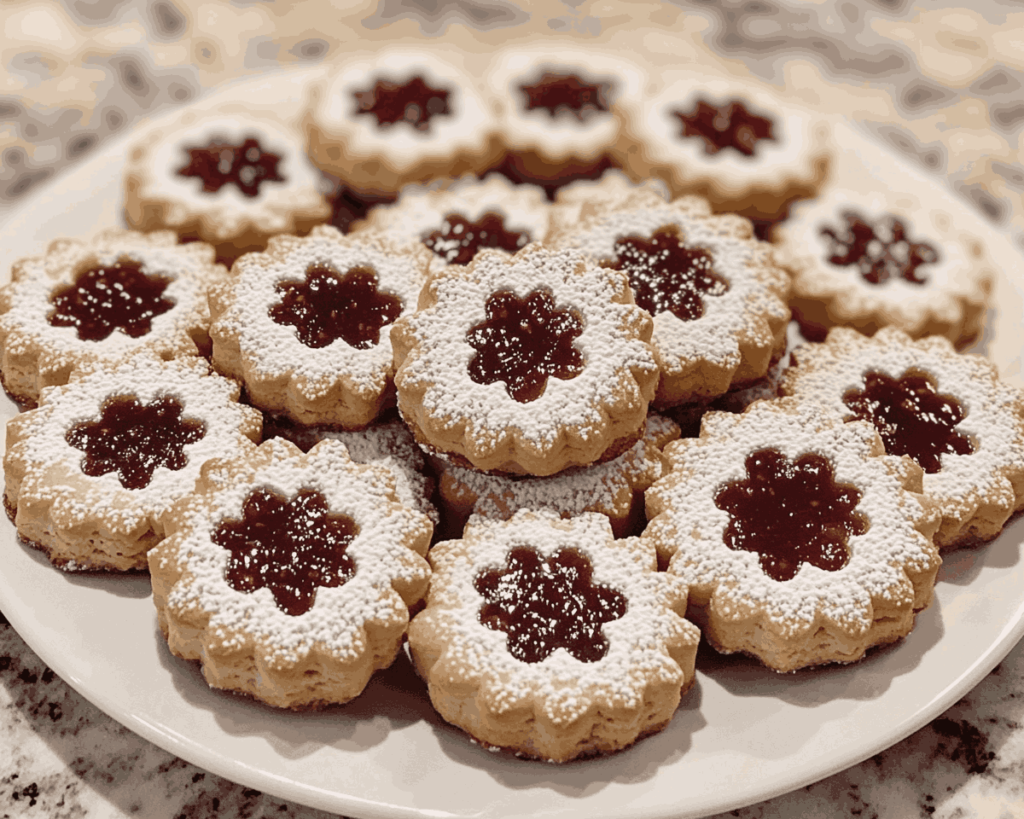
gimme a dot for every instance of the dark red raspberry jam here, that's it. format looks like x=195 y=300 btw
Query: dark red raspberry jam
x=567 y=92
x=413 y=102
x=727 y=126
x=245 y=166
x=880 y=251
x=458 y=239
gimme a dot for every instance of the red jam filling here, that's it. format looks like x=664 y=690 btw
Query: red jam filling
x=880 y=251
x=326 y=306
x=245 y=166
x=791 y=513
x=666 y=275
x=458 y=239
x=105 y=298
x=413 y=102
x=912 y=417
x=133 y=439
x=728 y=126
x=292 y=547
x=547 y=604
x=567 y=92
x=523 y=341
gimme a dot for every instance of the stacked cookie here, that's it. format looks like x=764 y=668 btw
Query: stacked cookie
x=497 y=359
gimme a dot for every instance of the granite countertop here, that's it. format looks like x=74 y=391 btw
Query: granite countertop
x=940 y=83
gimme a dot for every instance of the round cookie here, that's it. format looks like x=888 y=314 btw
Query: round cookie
x=550 y=639
x=289 y=577
x=86 y=303
x=90 y=472
x=948 y=412
x=526 y=364
x=801 y=542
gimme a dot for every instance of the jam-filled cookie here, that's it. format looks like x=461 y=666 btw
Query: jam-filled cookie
x=227 y=177
x=948 y=412
x=305 y=325
x=614 y=488
x=729 y=140
x=398 y=116
x=457 y=221
x=386 y=443
x=90 y=472
x=559 y=102
x=801 y=541
x=526 y=364
x=865 y=261
x=89 y=302
x=290 y=576
x=717 y=297
x=549 y=638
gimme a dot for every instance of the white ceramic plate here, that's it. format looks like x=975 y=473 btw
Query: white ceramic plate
x=742 y=734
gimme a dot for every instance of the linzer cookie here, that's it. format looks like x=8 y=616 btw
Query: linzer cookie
x=730 y=140
x=559 y=102
x=458 y=220
x=614 y=488
x=305 y=325
x=717 y=297
x=90 y=472
x=398 y=116
x=289 y=577
x=526 y=364
x=867 y=261
x=227 y=177
x=85 y=303
x=550 y=639
x=801 y=541
x=949 y=413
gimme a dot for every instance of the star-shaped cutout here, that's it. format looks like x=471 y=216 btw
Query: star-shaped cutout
x=667 y=275
x=522 y=342
x=413 y=102
x=133 y=439
x=292 y=547
x=912 y=417
x=791 y=513
x=246 y=166
x=727 y=126
x=567 y=92
x=547 y=604
x=879 y=251
x=458 y=239
x=327 y=305
x=104 y=298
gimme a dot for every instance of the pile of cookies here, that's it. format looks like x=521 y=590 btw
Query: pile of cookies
x=458 y=424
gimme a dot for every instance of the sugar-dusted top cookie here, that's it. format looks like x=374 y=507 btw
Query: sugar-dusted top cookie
x=717 y=297
x=306 y=324
x=549 y=638
x=83 y=303
x=731 y=140
x=457 y=220
x=90 y=472
x=559 y=101
x=948 y=412
x=801 y=541
x=526 y=364
x=290 y=576
x=226 y=176
x=400 y=115
x=868 y=260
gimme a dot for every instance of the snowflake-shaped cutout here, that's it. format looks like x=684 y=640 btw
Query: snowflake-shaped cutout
x=725 y=126
x=880 y=251
x=414 y=102
x=567 y=92
x=246 y=166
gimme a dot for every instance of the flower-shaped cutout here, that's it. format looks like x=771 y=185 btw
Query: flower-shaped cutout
x=725 y=126
x=544 y=604
x=327 y=306
x=666 y=274
x=246 y=166
x=133 y=439
x=104 y=298
x=880 y=251
x=556 y=92
x=290 y=546
x=523 y=342
x=458 y=239
x=791 y=512
x=414 y=102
